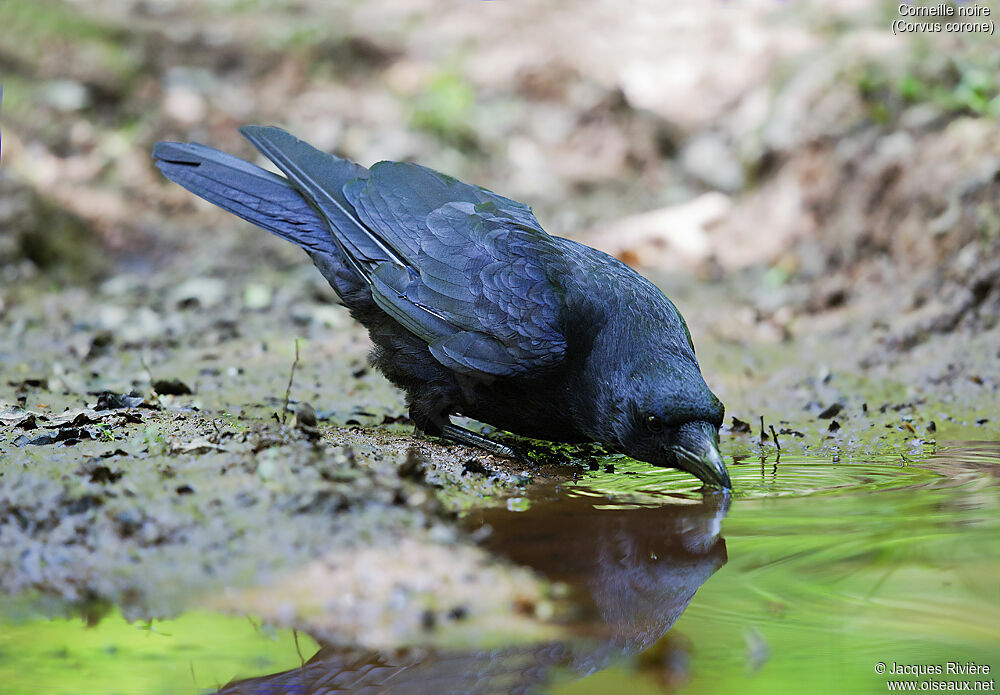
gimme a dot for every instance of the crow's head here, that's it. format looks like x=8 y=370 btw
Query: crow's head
x=667 y=416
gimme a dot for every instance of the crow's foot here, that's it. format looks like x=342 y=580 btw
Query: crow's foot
x=465 y=437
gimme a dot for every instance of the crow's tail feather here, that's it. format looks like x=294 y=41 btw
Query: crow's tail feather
x=321 y=178
x=244 y=189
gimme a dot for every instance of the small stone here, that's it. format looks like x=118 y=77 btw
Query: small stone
x=305 y=415
x=171 y=387
x=257 y=296
x=830 y=412
x=413 y=466
x=184 y=104
x=710 y=159
x=204 y=292
x=66 y=95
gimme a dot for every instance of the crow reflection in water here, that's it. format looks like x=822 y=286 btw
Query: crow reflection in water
x=473 y=308
x=633 y=572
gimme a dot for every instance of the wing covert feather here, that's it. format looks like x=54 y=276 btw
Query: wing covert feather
x=479 y=262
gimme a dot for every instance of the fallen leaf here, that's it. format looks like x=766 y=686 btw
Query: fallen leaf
x=197 y=446
x=740 y=427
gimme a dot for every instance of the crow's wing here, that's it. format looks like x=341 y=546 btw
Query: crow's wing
x=490 y=282
x=397 y=202
x=480 y=277
x=320 y=177
x=468 y=271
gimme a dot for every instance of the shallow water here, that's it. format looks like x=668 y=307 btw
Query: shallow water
x=806 y=578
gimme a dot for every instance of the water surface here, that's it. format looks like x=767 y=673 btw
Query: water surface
x=808 y=576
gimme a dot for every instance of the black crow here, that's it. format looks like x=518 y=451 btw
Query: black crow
x=473 y=308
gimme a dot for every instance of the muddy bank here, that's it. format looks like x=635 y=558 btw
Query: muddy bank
x=160 y=455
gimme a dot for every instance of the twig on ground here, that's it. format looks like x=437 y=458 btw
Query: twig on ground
x=149 y=372
x=291 y=377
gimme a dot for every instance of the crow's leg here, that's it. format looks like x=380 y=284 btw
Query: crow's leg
x=466 y=437
x=430 y=417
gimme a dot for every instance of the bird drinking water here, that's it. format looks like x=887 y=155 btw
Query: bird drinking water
x=473 y=308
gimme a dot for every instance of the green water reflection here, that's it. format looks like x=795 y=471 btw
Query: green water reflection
x=811 y=575
x=194 y=653
x=880 y=563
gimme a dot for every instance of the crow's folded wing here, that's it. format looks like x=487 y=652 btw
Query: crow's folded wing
x=480 y=280
x=470 y=272
x=400 y=196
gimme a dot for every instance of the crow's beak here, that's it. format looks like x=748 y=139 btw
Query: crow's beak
x=696 y=448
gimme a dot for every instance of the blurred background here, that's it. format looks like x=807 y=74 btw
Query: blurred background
x=800 y=147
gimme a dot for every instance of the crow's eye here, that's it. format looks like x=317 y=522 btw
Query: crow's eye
x=654 y=424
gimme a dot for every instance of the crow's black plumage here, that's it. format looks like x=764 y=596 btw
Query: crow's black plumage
x=473 y=308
